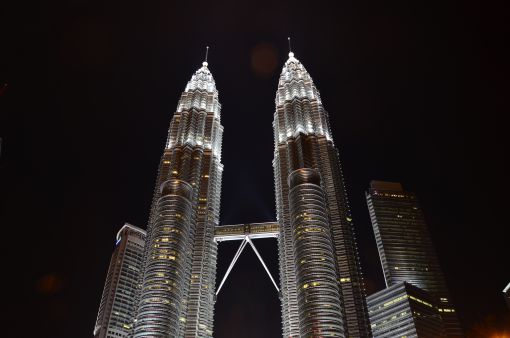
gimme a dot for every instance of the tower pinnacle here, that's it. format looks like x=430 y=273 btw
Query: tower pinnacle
x=206 y=54
x=291 y=54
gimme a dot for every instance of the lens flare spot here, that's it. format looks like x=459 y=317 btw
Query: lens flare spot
x=49 y=284
x=264 y=59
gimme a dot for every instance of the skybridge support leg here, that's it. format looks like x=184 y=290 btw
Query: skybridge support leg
x=238 y=253
x=248 y=239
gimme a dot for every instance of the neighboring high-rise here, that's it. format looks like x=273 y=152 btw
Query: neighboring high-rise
x=177 y=297
x=321 y=282
x=506 y=293
x=121 y=289
x=405 y=246
x=403 y=310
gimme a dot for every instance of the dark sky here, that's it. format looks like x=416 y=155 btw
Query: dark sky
x=417 y=92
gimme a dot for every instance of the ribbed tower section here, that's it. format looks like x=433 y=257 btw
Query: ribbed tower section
x=303 y=140
x=177 y=297
x=320 y=311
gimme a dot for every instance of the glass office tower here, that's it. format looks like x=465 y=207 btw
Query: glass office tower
x=122 y=287
x=405 y=246
x=316 y=228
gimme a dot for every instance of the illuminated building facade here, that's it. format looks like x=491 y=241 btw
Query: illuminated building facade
x=405 y=247
x=122 y=287
x=403 y=310
x=318 y=258
x=177 y=296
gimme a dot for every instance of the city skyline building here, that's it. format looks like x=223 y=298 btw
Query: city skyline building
x=404 y=310
x=120 y=297
x=317 y=242
x=405 y=247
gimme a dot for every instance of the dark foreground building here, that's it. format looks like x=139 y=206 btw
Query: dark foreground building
x=403 y=310
x=405 y=246
x=121 y=290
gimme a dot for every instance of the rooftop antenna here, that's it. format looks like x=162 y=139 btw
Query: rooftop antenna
x=206 y=54
x=290 y=48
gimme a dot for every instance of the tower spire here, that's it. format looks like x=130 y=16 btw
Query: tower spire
x=291 y=54
x=206 y=54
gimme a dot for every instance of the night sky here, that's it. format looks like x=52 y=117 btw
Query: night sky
x=417 y=92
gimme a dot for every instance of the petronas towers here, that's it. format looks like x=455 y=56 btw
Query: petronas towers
x=321 y=286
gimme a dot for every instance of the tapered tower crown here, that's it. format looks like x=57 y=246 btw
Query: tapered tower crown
x=202 y=80
x=298 y=102
x=201 y=96
x=200 y=92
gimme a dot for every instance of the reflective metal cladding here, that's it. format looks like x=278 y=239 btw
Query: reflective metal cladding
x=317 y=286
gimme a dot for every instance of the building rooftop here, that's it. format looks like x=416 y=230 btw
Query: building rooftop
x=383 y=185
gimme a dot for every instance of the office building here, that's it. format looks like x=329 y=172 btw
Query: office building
x=403 y=310
x=122 y=287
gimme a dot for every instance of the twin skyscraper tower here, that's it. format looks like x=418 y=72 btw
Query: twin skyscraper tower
x=168 y=285
x=321 y=287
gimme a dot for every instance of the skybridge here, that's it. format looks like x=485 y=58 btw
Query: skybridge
x=238 y=232
x=245 y=233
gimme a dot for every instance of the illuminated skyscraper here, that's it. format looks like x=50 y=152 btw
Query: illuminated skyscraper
x=405 y=247
x=321 y=283
x=122 y=287
x=177 y=296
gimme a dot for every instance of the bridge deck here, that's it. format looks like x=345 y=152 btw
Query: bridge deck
x=240 y=231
